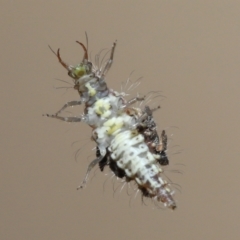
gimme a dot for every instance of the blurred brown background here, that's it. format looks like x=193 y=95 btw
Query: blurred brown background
x=190 y=50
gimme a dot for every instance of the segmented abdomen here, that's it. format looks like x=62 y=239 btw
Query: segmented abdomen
x=131 y=154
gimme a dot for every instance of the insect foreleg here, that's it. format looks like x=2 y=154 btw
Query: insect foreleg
x=110 y=61
x=65 y=119
x=68 y=104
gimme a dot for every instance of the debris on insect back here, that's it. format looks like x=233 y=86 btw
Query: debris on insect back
x=126 y=137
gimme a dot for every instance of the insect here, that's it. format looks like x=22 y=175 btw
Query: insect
x=126 y=136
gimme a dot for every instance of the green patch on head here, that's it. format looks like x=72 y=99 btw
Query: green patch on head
x=77 y=71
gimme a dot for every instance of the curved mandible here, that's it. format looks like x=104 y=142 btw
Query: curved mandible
x=85 y=50
x=59 y=58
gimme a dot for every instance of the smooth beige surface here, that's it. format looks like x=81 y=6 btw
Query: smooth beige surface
x=190 y=50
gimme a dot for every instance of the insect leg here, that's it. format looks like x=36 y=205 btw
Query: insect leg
x=90 y=167
x=68 y=104
x=65 y=119
x=110 y=61
x=154 y=109
x=134 y=100
x=147 y=116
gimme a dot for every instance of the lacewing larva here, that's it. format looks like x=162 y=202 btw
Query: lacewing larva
x=126 y=136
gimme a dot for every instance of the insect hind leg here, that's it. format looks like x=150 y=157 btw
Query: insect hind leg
x=90 y=167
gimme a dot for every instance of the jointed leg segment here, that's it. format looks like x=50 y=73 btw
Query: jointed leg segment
x=110 y=61
x=66 y=119
x=90 y=167
x=68 y=104
x=134 y=100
